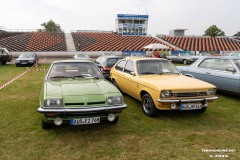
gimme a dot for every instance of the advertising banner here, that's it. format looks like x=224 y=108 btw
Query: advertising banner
x=131 y=16
x=133 y=53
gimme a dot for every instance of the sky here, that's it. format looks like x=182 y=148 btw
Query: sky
x=164 y=15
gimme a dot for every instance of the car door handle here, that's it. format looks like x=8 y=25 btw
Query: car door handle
x=208 y=73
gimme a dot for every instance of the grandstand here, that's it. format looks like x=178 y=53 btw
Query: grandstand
x=33 y=41
x=98 y=42
x=101 y=41
x=204 y=43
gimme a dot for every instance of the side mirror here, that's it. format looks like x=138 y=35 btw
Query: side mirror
x=230 y=69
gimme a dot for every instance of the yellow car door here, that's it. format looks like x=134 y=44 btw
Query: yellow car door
x=129 y=79
x=117 y=74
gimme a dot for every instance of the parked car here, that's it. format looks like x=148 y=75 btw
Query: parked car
x=27 y=59
x=105 y=63
x=184 y=58
x=223 y=72
x=5 y=56
x=81 y=56
x=108 y=54
x=160 y=86
x=75 y=92
x=204 y=54
x=236 y=54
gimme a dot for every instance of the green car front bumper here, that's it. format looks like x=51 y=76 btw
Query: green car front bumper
x=66 y=114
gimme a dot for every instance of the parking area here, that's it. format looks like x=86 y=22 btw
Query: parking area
x=175 y=134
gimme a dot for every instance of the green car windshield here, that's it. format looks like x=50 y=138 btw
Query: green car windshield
x=155 y=67
x=74 y=70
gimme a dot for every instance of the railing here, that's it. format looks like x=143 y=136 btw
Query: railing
x=2 y=28
x=99 y=31
x=21 y=30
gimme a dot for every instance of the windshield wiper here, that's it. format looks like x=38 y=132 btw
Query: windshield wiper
x=60 y=77
x=171 y=73
x=151 y=73
x=79 y=76
x=148 y=73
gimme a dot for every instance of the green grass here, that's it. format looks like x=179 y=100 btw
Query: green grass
x=171 y=135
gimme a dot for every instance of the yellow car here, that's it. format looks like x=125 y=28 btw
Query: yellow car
x=160 y=86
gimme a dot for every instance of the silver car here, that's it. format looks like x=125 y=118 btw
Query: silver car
x=236 y=54
x=223 y=72
x=184 y=58
x=28 y=58
x=81 y=56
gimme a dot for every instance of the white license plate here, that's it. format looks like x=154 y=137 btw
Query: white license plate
x=190 y=106
x=82 y=121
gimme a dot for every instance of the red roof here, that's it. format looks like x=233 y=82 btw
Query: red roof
x=204 y=43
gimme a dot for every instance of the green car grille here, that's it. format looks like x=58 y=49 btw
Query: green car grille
x=85 y=104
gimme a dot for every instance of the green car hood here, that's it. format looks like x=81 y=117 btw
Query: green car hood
x=79 y=87
x=80 y=90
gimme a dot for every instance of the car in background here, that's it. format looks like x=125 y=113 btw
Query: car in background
x=236 y=54
x=184 y=58
x=159 y=85
x=204 y=54
x=75 y=92
x=223 y=72
x=107 y=54
x=27 y=59
x=105 y=63
x=5 y=56
x=81 y=56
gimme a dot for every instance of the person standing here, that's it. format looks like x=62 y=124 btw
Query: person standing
x=156 y=54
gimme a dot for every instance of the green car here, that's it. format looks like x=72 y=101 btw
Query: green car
x=76 y=92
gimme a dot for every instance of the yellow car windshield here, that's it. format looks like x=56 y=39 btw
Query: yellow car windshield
x=156 y=67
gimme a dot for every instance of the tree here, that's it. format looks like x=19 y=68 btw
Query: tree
x=214 y=31
x=237 y=34
x=51 y=26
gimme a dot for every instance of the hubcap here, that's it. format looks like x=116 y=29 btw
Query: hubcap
x=146 y=105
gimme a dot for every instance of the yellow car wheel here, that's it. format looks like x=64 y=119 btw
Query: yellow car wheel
x=148 y=106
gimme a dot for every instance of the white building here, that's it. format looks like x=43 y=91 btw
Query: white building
x=132 y=24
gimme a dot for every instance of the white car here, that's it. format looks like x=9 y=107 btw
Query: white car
x=235 y=54
x=81 y=56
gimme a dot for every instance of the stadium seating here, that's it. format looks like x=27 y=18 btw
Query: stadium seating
x=33 y=41
x=97 y=41
x=204 y=43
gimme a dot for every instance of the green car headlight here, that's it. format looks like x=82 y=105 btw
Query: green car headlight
x=53 y=103
x=114 y=100
x=166 y=94
x=211 y=91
